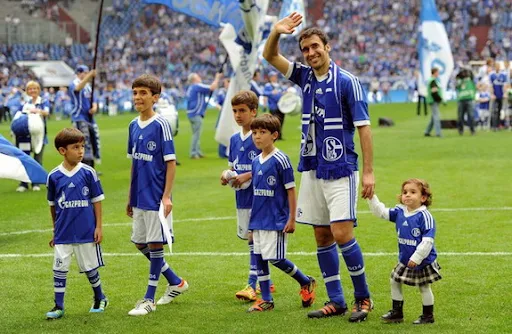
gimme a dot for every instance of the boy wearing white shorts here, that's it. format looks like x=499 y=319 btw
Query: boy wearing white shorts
x=242 y=152
x=151 y=149
x=273 y=213
x=75 y=195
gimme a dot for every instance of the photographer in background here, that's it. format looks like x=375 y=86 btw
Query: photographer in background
x=466 y=93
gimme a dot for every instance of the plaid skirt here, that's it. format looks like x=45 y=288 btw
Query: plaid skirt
x=414 y=277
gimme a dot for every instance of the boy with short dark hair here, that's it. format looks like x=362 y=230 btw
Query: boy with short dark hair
x=151 y=148
x=273 y=212
x=75 y=195
x=242 y=152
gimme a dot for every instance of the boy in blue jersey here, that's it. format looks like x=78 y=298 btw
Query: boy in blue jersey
x=417 y=265
x=334 y=106
x=75 y=195
x=483 y=98
x=83 y=111
x=151 y=149
x=242 y=152
x=273 y=213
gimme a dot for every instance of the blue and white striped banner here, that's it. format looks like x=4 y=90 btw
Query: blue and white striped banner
x=433 y=45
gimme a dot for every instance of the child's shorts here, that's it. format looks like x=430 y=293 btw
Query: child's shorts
x=243 y=216
x=270 y=244
x=88 y=256
x=146 y=227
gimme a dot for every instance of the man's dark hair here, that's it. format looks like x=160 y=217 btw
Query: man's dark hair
x=308 y=32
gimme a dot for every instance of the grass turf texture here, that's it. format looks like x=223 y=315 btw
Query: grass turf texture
x=464 y=172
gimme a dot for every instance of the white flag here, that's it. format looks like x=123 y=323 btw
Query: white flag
x=433 y=45
x=242 y=48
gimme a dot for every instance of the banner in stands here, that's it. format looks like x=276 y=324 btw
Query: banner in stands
x=51 y=73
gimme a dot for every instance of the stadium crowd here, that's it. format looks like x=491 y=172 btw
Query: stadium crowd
x=375 y=40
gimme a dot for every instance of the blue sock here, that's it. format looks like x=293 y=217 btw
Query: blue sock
x=171 y=277
x=59 y=287
x=288 y=267
x=263 y=277
x=355 y=264
x=157 y=259
x=94 y=279
x=253 y=269
x=329 y=263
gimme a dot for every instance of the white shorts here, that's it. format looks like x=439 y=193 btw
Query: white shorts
x=88 y=256
x=270 y=244
x=146 y=227
x=322 y=202
x=243 y=216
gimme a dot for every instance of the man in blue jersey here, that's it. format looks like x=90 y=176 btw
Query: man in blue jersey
x=75 y=195
x=82 y=113
x=151 y=149
x=498 y=80
x=273 y=92
x=334 y=106
x=255 y=84
x=197 y=93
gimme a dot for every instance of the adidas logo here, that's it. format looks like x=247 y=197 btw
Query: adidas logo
x=71 y=185
x=319 y=91
x=405 y=223
x=140 y=137
x=260 y=173
x=242 y=149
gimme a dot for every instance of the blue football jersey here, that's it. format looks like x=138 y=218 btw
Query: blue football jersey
x=272 y=176
x=484 y=105
x=81 y=102
x=498 y=80
x=411 y=227
x=273 y=92
x=73 y=193
x=196 y=99
x=354 y=109
x=242 y=152
x=150 y=146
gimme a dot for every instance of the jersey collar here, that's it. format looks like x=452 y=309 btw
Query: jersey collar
x=263 y=160
x=70 y=173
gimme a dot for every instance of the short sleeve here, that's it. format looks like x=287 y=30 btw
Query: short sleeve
x=130 y=143
x=168 y=151
x=393 y=213
x=286 y=170
x=356 y=100
x=50 y=186
x=231 y=155
x=296 y=73
x=428 y=230
x=96 y=191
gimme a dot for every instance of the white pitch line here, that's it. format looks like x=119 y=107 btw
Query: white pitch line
x=226 y=254
x=505 y=208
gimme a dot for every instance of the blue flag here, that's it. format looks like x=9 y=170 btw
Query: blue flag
x=15 y=164
x=213 y=12
x=433 y=45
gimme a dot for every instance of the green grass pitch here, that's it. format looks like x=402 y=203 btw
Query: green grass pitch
x=470 y=177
